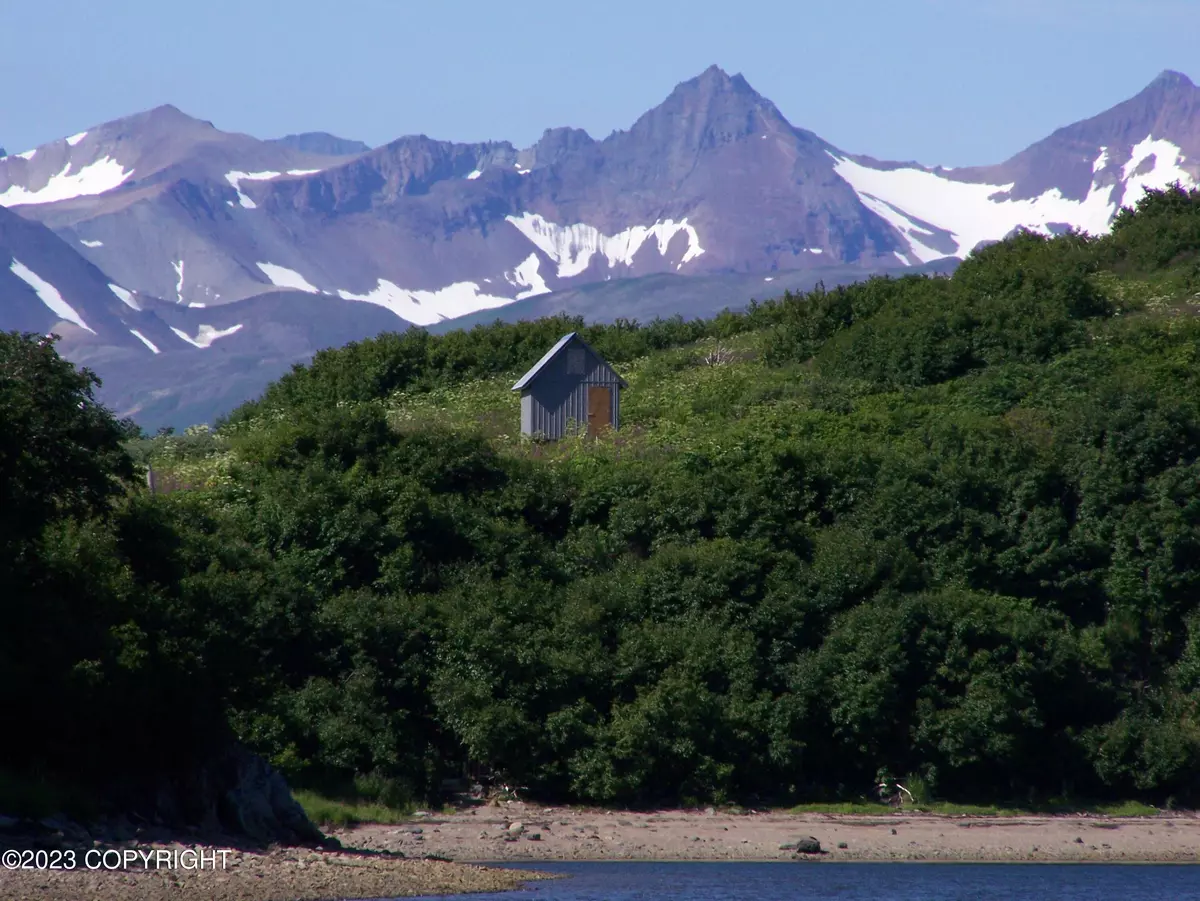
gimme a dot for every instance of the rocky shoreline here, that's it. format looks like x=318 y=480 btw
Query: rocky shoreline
x=444 y=853
x=520 y=832
x=277 y=875
x=229 y=831
x=56 y=859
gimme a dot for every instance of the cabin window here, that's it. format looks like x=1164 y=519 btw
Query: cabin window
x=575 y=361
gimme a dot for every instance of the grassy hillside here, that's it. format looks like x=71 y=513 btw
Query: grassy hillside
x=940 y=529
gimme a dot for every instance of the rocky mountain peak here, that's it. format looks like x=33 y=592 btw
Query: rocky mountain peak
x=716 y=86
x=705 y=112
x=1167 y=108
x=556 y=143
x=1170 y=94
x=168 y=116
x=323 y=143
x=161 y=127
x=714 y=77
x=1170 y=79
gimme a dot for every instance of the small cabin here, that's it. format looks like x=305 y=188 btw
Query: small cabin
x=571 y=386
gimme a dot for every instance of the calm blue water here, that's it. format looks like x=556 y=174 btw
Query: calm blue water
x=619 y=881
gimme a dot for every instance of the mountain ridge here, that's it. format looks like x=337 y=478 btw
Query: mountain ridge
x=712 y=182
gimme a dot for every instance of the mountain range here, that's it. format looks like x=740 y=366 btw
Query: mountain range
x=189 y=266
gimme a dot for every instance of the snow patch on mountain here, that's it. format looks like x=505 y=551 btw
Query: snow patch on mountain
x=527 y=276
x=896 y=218
x=429 y=307
x=206 y=335
x=126 y=297
x=49 y=294
x=144 y=340
x=283 y=277
x=178 y=267
x=75 y=139
x=87 y=243
x=236 y=177
x=1164 y=170
x=28 y=154
x=474 y=174
x=573 y=246
x=966 y=210
x=972 y=213
x=95 y=178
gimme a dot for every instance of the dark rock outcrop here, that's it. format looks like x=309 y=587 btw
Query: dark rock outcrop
x=807 y=845
x=238 y=794
x=237 y=799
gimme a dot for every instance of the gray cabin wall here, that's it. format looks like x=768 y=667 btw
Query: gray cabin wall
x=555 y=397
x=526 y=413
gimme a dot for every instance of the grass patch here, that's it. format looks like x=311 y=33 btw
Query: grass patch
x=842 y=807
x=950 y=809
x=334 y=812
x=1125 y=809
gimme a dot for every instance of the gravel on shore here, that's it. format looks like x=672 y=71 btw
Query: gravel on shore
x=389 y=861
x=280 y=875
x=528 y=832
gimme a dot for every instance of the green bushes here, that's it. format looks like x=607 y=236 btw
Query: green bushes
x=941 y=527
x=802 y=324
x=414 y=360
x=1164 y=230
x=920 y=586
x=1024 y=300
x=99 y=630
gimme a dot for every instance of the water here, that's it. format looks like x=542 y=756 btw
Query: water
x=620 y=881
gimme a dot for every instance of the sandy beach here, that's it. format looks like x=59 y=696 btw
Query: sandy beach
x=521 y=832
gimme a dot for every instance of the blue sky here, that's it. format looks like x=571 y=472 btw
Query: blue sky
x=955 y=82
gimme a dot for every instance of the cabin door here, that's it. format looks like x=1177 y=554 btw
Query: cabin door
x=599 y=409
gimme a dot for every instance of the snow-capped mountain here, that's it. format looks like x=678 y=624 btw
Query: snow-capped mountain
x=46 y=286
x=164 y=362
x=433 y=230
x=1078 y=177
x=148 y=198
x=712 y=182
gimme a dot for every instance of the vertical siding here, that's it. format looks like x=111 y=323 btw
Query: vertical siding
x=526 y=413
x=557 y=399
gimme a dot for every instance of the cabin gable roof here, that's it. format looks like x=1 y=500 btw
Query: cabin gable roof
x=571 y=337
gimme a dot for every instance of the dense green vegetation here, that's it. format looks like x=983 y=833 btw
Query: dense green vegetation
x=108 y=679
x=947 y=529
